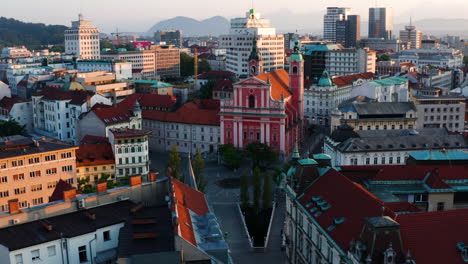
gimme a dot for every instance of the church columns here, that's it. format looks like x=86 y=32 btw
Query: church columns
x=268 y=133
x=262 y=132
x=241 y=145
x=222 y=133
x=282 y=138
x=235 y=133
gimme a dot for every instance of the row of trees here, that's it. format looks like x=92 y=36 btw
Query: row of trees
x=261 y=155
x=198 y=163
x=262 y=191
x=84 y=185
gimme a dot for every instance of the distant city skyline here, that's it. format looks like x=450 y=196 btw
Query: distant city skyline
x=129 y=16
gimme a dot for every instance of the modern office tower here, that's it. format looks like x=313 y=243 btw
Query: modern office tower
x=239 y=44
x=380 y=22
x=289 y=40
x=411 y=37
x=169 y=37
x=330 y=19
x=348 y=32
x=82 y=40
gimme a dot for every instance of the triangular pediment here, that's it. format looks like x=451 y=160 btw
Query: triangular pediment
x=252 y=81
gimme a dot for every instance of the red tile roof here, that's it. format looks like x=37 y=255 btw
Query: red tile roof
x=189 y=113
x=223 y=85
x=432 y=237
x=90 y=139
x=127 y=132
x=94 y=154
x=279 y=83
x=76 y=97
x=112 y=115
x=61 y=186
x=148 y=101
x=7 y=103
x=398 y=207
x=337 y=190
x=433 y=180
x=349 y=79
x=187 y=198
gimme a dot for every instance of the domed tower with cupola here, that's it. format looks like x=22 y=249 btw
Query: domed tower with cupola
x=296 y=78
x=255 y=61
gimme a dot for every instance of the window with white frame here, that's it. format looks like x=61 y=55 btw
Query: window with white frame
x=51 y=251
x=35 y=255
x=19 y=259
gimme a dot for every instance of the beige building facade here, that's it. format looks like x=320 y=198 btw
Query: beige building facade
x=30 y=169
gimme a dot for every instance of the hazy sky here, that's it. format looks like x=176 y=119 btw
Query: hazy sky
x=139 y=15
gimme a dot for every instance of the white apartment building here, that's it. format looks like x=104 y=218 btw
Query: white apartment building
x=56 y=112
x=333 y=15
x=380 y=147
x=442 y=57
x=15 y=52
x=411 y=37
x=82 y=40
x=190 y=128
x=121 y=69
x=328 y=94
x=441 y=111
x=16 y=73
x=143 y=61
x=239 y=43
x=131 y=152
x=350 y=61
x=393 y=89
x=17 y=109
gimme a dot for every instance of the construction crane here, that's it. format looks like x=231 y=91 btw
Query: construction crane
x=195 y=68
x=117 y=35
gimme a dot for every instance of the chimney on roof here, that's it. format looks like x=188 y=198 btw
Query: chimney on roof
x=13 y=206
x=137 y=208
x=69 y=194
x=135 y=180
x=152 y=176
x=101 y=187
x=90 y=216
x=47 y=225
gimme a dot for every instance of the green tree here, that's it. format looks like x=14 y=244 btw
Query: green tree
x=10 y=128
x=261 y=154
x=384 y=57
x=231 y=156
x=465 y=60
x=106 y=44
x=203 y=66
x=244 y=191
x=206 y=90
x=197 y=166
x=257 y=189
x=58 y=48
x=186 y=64
x=85 y=187
x=174 y=163
x=267 y=192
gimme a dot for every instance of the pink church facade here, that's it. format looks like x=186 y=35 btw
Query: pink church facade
x=266 y=108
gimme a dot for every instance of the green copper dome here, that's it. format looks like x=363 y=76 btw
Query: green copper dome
x=325 y=80
x=296 y=54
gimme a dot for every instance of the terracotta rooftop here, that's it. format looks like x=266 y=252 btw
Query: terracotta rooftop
x=279 y=81
x=127 y=132
x=223 y=85
x=7 y=103
x=94 y=154
x=75 y=97
x=112 y=115
x=198 y=112
x=187 y=198
x=349 y=79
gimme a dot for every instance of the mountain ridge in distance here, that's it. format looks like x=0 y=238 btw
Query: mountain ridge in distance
x=191 y=27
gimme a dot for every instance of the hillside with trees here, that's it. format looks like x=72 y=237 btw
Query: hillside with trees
x=33 y=35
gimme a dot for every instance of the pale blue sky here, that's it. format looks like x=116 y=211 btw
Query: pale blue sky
x=139 y=15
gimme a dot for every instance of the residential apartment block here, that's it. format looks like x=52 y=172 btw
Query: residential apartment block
x=143 y=61
x=93 y=161
x=30 y=169
x=167 y=60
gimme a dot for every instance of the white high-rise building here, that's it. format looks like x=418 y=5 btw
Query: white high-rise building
x=329 y=21
x=411 y=37
x=239 y=42
x=82 y=40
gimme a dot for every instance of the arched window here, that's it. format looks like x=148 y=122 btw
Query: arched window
x=252 y=101
x=294 y=69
